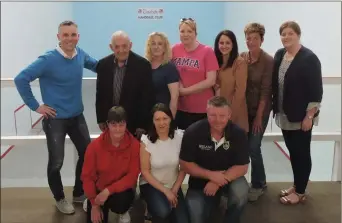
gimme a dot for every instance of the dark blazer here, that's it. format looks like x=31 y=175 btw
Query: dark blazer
x=302 y=84
x=137 y=94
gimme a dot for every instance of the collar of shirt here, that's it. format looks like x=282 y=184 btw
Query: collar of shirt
x=220 y=142
x=249 y=59
x=59 y=49
x=115 y=61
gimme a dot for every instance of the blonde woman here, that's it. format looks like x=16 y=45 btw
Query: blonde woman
x=165 y=75
x=197 y=66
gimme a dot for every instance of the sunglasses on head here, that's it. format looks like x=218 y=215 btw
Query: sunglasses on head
x=186 y=19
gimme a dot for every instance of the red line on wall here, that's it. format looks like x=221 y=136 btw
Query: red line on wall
x=20 y=107
x=7 y=151
x=34 y=124
x=282 y=150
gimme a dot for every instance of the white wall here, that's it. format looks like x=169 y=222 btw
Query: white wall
x=321 y=32
x=320 y=23
x=29 y=29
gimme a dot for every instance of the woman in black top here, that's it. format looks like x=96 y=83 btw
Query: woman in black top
x=297 y=94
x=165 y=74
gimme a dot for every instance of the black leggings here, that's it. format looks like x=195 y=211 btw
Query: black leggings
x=118 y=203
x=298 y=143
x=185 y=119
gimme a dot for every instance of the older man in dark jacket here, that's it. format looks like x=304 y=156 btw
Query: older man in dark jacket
x=125 y=79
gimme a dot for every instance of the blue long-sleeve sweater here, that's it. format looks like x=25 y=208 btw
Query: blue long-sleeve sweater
x=60 y=82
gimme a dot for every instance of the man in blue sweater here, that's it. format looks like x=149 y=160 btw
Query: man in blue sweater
x=60 y=73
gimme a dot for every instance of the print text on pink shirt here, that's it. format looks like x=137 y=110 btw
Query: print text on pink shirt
x=186 y=62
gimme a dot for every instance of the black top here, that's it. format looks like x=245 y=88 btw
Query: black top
x=162 y=77
x=302 y=83
x=137 y=95
x=198 y=147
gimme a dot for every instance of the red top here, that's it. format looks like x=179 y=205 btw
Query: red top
x=107 y=166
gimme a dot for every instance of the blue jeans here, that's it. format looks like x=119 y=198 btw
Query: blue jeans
x=159 y=206
x=56 y=131
x=258 y=170
x=200 y=205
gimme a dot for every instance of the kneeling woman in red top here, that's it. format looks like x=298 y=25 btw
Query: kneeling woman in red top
x=111 y=169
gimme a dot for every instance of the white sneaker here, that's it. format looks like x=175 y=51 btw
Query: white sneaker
x=85 y=205
x=65 y=207
x=125 y=218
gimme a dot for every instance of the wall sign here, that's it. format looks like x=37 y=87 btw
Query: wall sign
x=150 y=13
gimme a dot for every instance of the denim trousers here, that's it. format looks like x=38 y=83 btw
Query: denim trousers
x=200 y=205
x=258 y=170
x=56 y=131
x=160 y=208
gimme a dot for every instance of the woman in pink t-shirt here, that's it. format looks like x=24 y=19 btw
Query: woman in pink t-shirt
x=197 y=66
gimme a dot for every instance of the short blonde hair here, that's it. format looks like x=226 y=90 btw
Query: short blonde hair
x=190 y=22
x=255 y=28
x=167 y=51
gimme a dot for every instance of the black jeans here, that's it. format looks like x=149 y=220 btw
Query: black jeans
x=201 y=205
x=118 y=203
x=56 y=131
x=159 y=206
x=298 y=143
x=258 y=170
x=185 y=119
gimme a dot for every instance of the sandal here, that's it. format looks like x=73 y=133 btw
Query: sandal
x=288 y=201
x=287 y=192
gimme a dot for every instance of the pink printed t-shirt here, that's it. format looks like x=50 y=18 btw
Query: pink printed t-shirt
x=193 y=67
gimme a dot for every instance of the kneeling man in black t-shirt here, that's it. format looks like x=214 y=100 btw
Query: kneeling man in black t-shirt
x=214 y=153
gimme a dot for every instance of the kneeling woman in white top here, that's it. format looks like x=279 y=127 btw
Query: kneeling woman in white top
x=161 y=178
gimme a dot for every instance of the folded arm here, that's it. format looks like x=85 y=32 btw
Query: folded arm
x=194 y=170
x=235 y=172
x=200 y=86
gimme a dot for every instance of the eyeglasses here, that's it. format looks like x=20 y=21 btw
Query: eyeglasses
x=186 y=19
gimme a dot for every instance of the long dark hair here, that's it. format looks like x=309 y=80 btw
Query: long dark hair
x=233 y=54
x=152 y=133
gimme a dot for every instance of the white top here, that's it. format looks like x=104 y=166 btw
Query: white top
x=164 y=158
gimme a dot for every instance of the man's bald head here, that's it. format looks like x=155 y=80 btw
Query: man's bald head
x=119 y=35
x=121 y=45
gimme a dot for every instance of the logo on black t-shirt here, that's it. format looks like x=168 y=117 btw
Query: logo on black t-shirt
x=226 y=145
x=205 y=147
